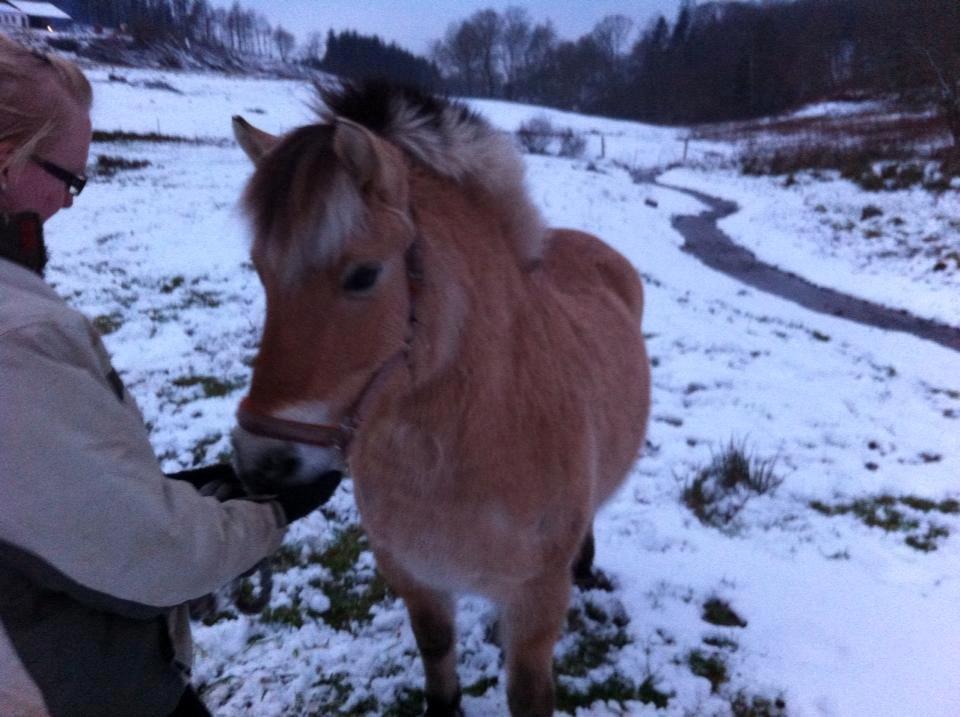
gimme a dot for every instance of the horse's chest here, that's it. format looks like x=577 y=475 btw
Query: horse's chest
x=445 y=538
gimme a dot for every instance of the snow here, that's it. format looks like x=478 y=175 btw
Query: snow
x=817 y=227
x=842 y=618
x=837 y=109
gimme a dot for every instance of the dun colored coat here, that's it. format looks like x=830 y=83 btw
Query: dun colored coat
x=483 y=378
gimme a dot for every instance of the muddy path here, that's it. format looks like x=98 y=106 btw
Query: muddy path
x=709 y=244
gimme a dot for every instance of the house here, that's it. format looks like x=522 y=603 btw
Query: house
x=33 y=15
x=10 y=17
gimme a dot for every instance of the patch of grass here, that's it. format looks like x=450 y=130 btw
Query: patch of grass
x=929 y=541
x=199 y=450
x=219 y=617
x=338 y=694
x=481 y=686
x=168 y=287
x=286 y=558
x=108 y=323
x=649 y=694
x=211 y=386
x=711 y=667
x=206 y=299
x=743 y=705
x=290 y=614
x=108 y=166
x=409 y=703
x=598 y=633
x=898 y=515
x=720 y=491
x=718 y=612
x=615 y=688
x=120 y=137
x=351 y=598
x=721 y=643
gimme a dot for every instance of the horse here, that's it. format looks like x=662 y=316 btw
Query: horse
x=483 y=379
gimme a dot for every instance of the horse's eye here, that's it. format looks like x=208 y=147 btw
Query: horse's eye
x=362 y=278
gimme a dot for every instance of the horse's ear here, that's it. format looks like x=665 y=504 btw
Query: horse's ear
x=375 y=167
x=255 y=142
x=356 y=148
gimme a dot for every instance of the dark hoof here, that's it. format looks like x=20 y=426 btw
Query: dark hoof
x=437 y=707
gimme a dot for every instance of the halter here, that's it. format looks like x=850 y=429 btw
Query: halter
x=340 y=436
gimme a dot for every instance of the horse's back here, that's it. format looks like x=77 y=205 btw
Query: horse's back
x=602 y=295
x=579 y=262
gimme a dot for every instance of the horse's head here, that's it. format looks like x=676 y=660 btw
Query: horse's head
x=334 y=248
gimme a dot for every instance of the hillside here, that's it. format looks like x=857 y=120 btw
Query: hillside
x=831 y=589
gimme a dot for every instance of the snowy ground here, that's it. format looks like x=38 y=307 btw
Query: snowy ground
x=897 y=248
x=847 y=577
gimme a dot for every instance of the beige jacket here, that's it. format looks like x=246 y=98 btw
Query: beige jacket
x=98 y=550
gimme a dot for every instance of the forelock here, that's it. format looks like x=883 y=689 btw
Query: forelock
x=302 y=204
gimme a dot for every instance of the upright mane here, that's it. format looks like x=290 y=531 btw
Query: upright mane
x=448 y=138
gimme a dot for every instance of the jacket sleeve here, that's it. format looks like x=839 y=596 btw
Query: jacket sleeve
x=85 y=507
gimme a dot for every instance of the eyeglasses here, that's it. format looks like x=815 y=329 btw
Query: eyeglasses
x=75 y=184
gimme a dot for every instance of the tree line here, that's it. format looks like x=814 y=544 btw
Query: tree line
x=350 y=54
x=714 y=61
x=188 y=23
x=196 y=23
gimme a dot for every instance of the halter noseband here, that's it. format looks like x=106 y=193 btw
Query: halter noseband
x=339 y=436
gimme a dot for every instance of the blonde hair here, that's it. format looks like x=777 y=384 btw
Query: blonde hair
x=39 y=95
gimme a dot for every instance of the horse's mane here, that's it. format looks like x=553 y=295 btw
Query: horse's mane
x=447 y=137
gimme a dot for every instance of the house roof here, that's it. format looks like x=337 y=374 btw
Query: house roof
x=39 y=9
x=7 y=10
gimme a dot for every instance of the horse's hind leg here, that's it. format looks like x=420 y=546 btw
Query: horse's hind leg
x=431 y=616
x=432 y=619
x=585 y=576
x=583 y=567
x=531 y=626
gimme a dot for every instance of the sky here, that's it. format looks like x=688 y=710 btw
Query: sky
x=414 y=24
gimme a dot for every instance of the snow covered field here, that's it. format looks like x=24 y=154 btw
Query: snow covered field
x=844 y=581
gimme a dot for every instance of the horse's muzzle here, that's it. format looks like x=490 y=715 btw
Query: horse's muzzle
x=266 y=464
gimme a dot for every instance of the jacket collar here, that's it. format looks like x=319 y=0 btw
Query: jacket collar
x=21 y=241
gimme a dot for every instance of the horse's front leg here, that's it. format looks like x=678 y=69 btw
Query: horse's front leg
x=531 y=625
x=432 y=615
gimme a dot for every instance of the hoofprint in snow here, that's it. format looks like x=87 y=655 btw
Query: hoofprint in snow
x=847 y=578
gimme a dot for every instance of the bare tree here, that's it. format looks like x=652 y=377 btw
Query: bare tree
x=612 y=35
x=460 y=54
x=284 y=41
x=488 y=30
x=517 y=33
x=314 y=48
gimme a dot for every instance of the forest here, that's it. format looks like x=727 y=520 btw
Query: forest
x=714 y=61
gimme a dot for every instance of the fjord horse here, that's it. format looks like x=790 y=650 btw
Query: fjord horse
x=483 y=379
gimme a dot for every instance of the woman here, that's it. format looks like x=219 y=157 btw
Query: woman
x=99 y=551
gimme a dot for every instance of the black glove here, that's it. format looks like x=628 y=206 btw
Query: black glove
x=218 y=480
x=300 y=500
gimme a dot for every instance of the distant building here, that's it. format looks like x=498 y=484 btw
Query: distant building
x=33 y=15
x=10 y=17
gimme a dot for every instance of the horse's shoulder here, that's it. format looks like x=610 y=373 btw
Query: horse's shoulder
x=575 y=260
